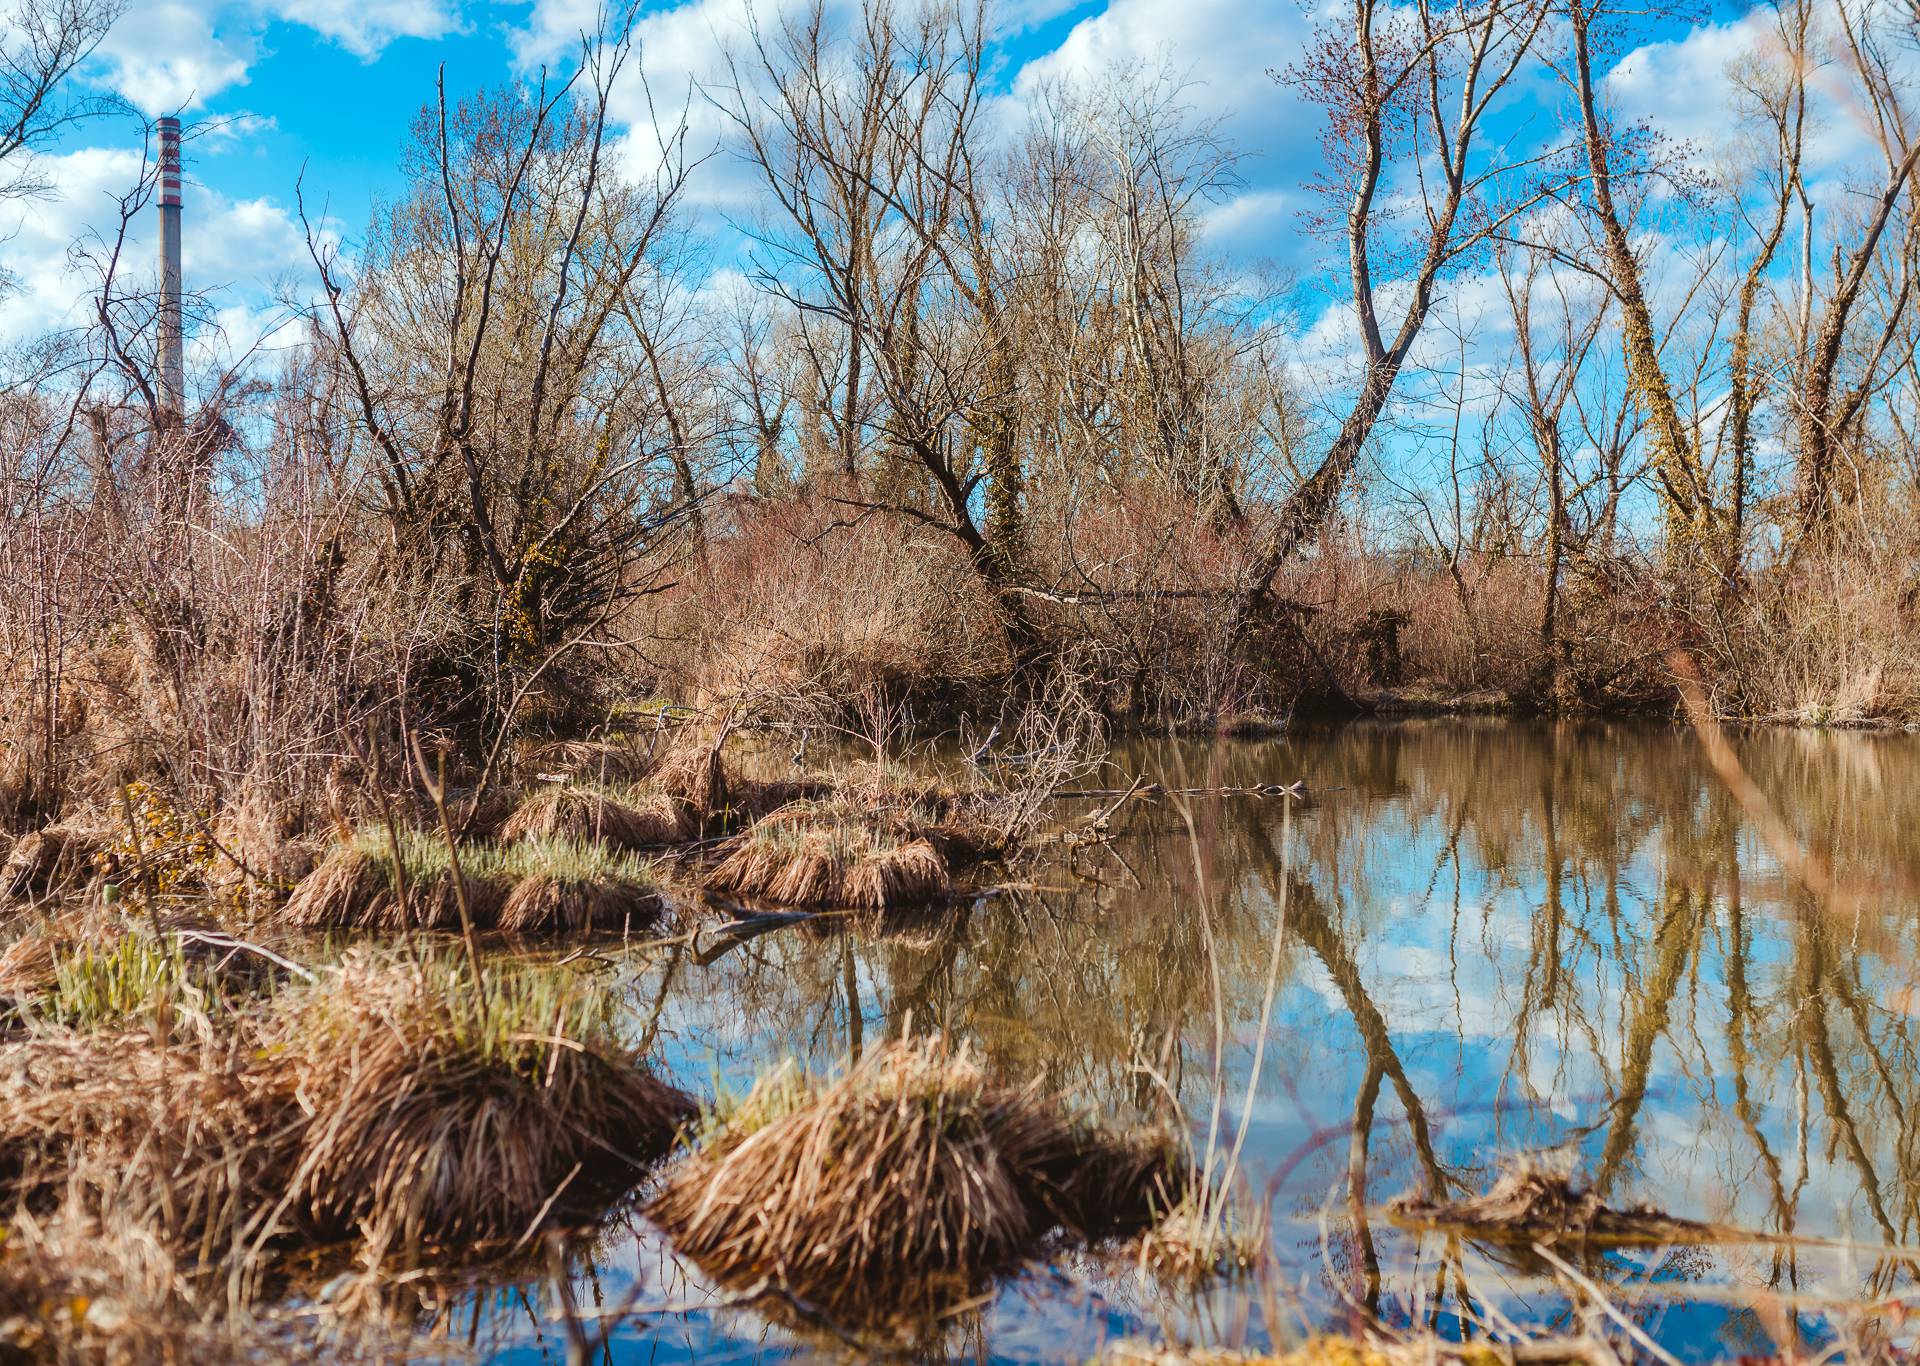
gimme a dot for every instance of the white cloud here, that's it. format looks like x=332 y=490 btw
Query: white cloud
x=233 y=250
x=678 y=53
x=1221 y=51
x=166 y=55
x=552 y=32
x=1684 y=87
x=1249 y=221
x=364 y=27
x=1681 y=86
x=1225 y=46
x=46 y=289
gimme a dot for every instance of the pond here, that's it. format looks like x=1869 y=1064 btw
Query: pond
x=1493 y=938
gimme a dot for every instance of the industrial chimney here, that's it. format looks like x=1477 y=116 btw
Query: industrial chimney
x=172 y=358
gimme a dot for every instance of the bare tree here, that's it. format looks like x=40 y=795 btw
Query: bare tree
x=1392 y=81
x=1610 y=155
x=1825 y=410
x=1550 y=375
x=515 y=432
x=1774 y=89
x=815 y=137
x=41 y=44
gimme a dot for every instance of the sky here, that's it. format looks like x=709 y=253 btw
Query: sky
x=320 y=94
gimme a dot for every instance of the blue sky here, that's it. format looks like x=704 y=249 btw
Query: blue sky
x=338 y=99
x=331 y=86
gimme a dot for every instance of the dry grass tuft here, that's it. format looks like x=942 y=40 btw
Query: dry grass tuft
x=358 y=887
x=28 y=965
x=593 y=761
x=1194 y=1244
x=178 y=1130
x=1319 y=1350
x=80 y=1289
x=535 y=883
x=1417 y=1349
x=433 y=1115
x=904 y=1185
x=694 y=774
x=546 y=901
x=388 y=1103
x=47 y=862
x=756 y=798
x=957 y=820
x=351 y=888
x=564 y=885
x=820 y=854
x=584 y=814
x=259 y=853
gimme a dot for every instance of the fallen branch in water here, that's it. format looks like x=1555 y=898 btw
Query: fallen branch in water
x=751 y=925
x=219 y=939
x=1296 y=789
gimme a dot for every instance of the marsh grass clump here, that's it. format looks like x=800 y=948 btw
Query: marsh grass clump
x=1535 y=1199
x=389 y=1104
x=438 y=1113
x=823 y=854
x=44 y=863
x=562 y=885
x=260 y=851
x=968 y=822
x=590 y=814
x=1374 y=1348
x=526 y=886
x=1319 y=1350
x=898 y=1188
x=29 y=966
x=121 y=981
x=619 y=760
x=1200 y=1241
x=94 y=968
x=79 y=1287
x=694 y=774
x=361 y=885
x=175 y=1134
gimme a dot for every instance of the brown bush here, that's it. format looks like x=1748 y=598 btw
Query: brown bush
x=802 y=611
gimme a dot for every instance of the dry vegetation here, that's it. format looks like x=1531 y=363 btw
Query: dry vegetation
x=395 y=1103
x=811 y=854
x=416 y=879
x=1329 y=1350
x=902 y=1186
x=583 y=814
x=434 y=619
x=389 y=1113
x=536 y=519
x=76 y=1290
x=1532 y=1202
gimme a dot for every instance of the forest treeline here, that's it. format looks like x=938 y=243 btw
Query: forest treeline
x=985 y=417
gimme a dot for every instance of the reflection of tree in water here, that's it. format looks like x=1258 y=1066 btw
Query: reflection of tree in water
x=1594 y=903
x=1661 y=950
x=1791 y=994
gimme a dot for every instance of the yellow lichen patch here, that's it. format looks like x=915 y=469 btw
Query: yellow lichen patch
x=160 y=851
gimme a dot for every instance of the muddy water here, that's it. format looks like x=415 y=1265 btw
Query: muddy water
x=1495 y=938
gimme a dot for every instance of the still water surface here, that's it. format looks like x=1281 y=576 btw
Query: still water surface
x=1498 y=938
